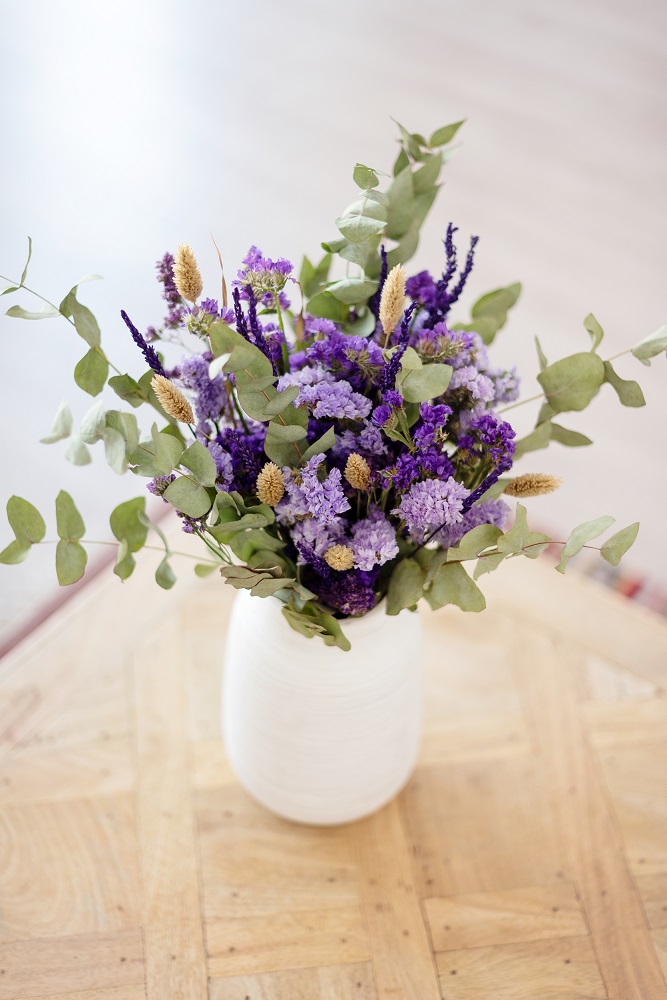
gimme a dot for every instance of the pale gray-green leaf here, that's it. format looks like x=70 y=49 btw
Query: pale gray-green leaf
x=628 y=391
x=18 y=312
x=616 y=546
x=353 y=290
x=71 y=558
x=572 y=382
x=76 y=451
x=128 y=525
x=68 y=519
x=452 y=585
x=25 y=521
x=188 y=497
x=61 y=427
x=594 y=329
x=405 y=586
x=580 y=535
x=365 y=177
x=650 y=346
x=25 y=269
x=443 y=135
x=198 y=459
x=572 y=439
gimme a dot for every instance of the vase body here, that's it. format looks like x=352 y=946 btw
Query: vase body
x=315 y=734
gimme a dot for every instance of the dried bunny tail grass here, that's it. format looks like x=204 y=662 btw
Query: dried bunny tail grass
x=392 y=302
x=270 y=484
x=532 y=484
x=357 y=472
x=187 y=274
x=339 y=557
x=172 y=400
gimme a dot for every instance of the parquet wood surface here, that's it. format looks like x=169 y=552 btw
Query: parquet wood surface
x=525 y=860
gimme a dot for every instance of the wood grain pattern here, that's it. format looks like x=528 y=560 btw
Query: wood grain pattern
x=525 y=860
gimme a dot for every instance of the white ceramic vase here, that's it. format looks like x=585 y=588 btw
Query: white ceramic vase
x=315 y=734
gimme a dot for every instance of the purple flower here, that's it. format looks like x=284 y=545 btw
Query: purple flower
x=324 y=500
x=247 y=454
x=263 y=275
x=421 y=288
x=484 y=512
x=150 y=354
x=223 y=463
x=369 y=442
x=312 y=538
x=505 y=385
x=488 y=435
x=170 y=293
x=479 y=386
x=158 y=485
x=373 y=541
x=350 y=593
x=401 y=475
x=337 y=400
x=430 y=504
x=381 y=414
x=392 y=397
x=210 y=394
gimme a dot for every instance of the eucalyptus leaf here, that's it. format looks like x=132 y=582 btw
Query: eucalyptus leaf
x=114 y=450
x=629 y=392
x=25 y=269
x=91 y=372
x=15 y=553
x=357 y=228
x=129 y=390
x=9 y=289
x=62 y=425
x=286 y=432
x=125 y=562
x=402 y=161
x=473 y=543
x=76 y=451
x=313 y=277
x=198 y=459
x=324 y=305
x=445 y=134
x=580 y=535
x=68 y=519
x=540 y=355
x=452 y=585
x=489 y=313
x=188 y=497
x=311 y=621
x=650 y=346
x=353 y=290
x=164 y=574
x=71 y=559
x=406 y=247
x=425 y=177
x=615 y=547
x=127 y=524
x=18 y=312
x=573 y=439
x=25 y=521
x=405 y=586
x=487 y=563
x=323 y=443
x=84 y=322
x=538 y=438
x=335 y=245
x=401 y=204
x=205 y=569
x=535 y=545
x=515 y=539
x=365 y=177
x=93 y=423
x=572 y=382
x=282 y=400
x=420 y=384
x=594 y=329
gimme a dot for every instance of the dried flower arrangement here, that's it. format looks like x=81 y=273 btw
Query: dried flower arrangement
x=334 y=455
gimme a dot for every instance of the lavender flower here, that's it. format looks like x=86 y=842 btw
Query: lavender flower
x=148 y=352
x=373 y=541
x=429 y=504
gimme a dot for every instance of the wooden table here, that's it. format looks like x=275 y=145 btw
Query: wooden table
x=526 y=859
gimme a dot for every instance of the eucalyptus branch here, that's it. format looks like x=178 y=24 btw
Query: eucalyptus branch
x=151 y=548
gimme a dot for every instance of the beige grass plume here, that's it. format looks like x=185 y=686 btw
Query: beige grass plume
x=172 y=399
x=270 y=484
x=532 y=484
x=357 y=472
x=187 y=275
x=339 y=557
x=392 y=301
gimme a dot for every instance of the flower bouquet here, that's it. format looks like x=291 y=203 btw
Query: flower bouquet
x=335 y=438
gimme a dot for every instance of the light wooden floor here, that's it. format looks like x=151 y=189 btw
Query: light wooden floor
x=526 y=860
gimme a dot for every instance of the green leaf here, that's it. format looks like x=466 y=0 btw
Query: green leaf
x=68 y=519
x=486 y=564
x=536 y=543
x=401 y=204
x=445 y=134
x=572 y=382
x=125 y=562
x=188 y=497
x=127 y=524
x=15 y=553
x=406 y=248
x=615 y=547
x=540 y=355
x=91 y=372
x=539 y=438
x=76 y=452
x=164 y=575
x=452 y=585
x=114 y=450
x=129 y=390
x=324 y=305
x=365 y=255
x=25 y=520
x=647 y=348
x=358 y=228
x=595 y=330
x=365 y=177
x=61 y=427
x=18 y=312
x=472 y=544
x=198 y=459
x=313 y=278
x=286 y=432
x=84 y=322
x=157 y=457
x=25 y=269
x=71 y=559
x=334 y=246
x=573 y=439
x=311 y=622
x=281 y=445
x=517 y=536
x=405 y=586
x=93 y=423
x=492 y=311
x=323 y=443
x=126 y=425
x=410 y=142
x=420 y=384
x=629 y=392
x=426 y=176
x=402 y=161
x=353 y=290
x=580 y=535
x=10 y=288
x=205 y=569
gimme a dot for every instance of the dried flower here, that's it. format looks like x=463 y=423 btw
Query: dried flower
x=187 y=274
x=393 y=300
x=172 y=399
x=339 y=557
x=357 y=472
x=532 y=484
x=270 y=484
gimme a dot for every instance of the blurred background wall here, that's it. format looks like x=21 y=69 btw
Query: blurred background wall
x=128 y=128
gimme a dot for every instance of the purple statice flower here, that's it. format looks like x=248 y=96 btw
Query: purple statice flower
x=210 y=394
x=368 y=442
x=401 y=475
x=350 y=593
x=484 y=512
x=314 y=326
x=435 y=415
x=170 y=293
x=247 y=454
x=434 y=461
x=305 y=376
x=337 y=400
x=311 y=497
x=223 y=463
x=393 y=398
x=312 y=538
x=150 y=354
x=489 y=436
x=353 y=356
x=373 y=541
x=479 y=386
x=429 y=505
x=506 y=385
x=421 y=288
x=381 y=414
x=158 y=485
x=263 y=275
